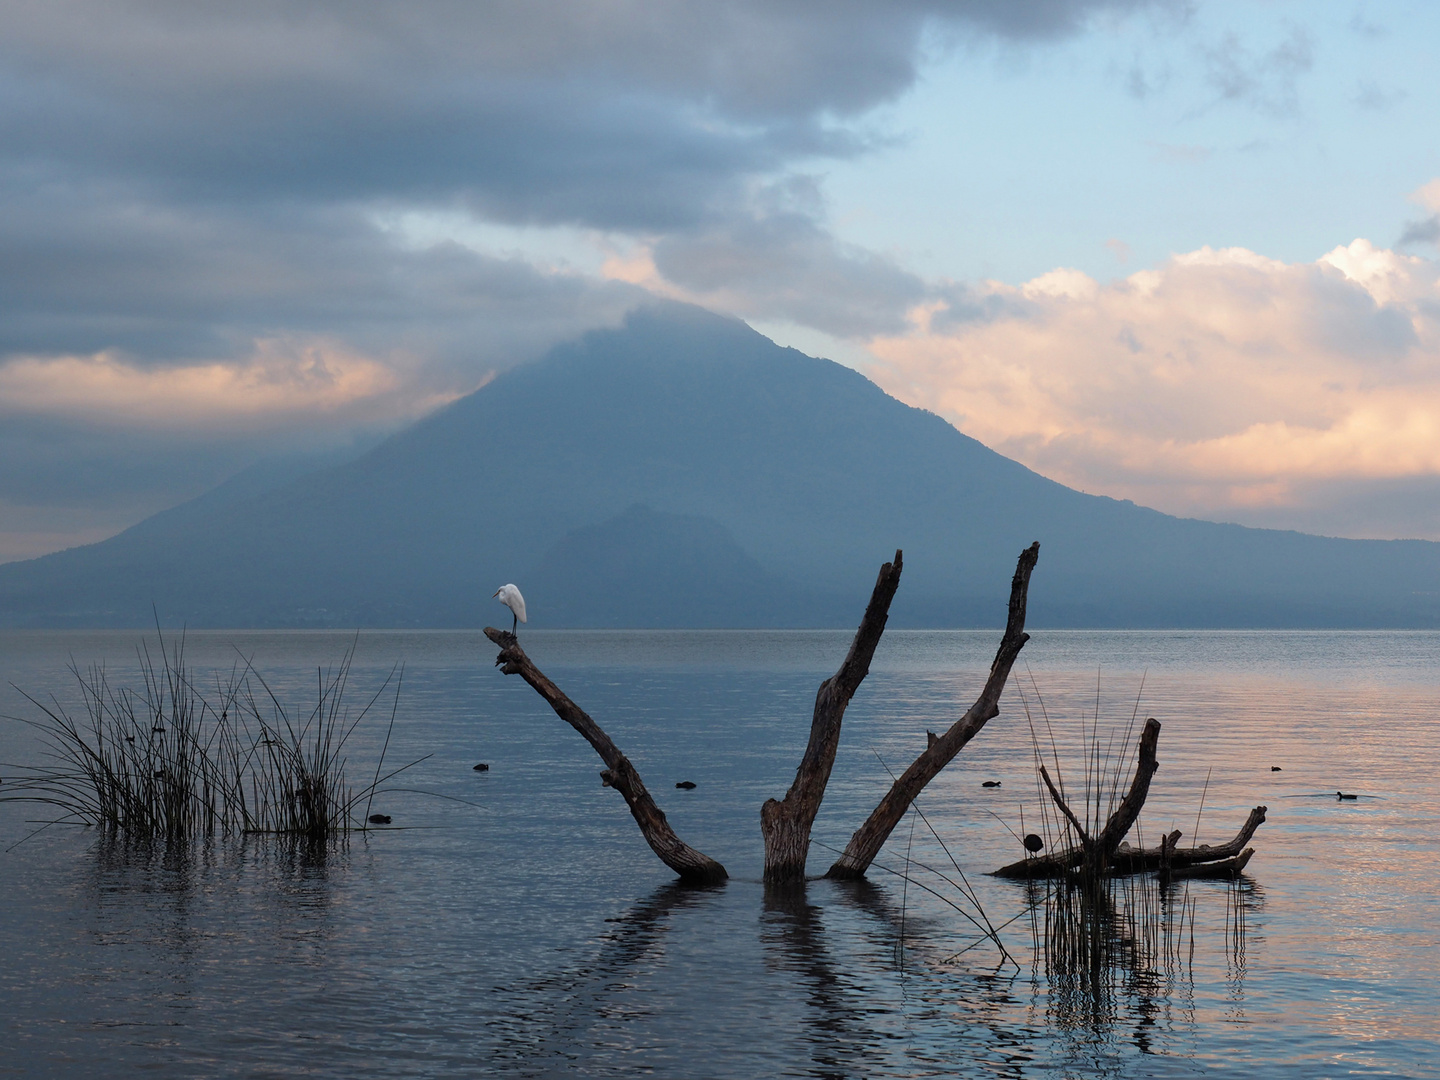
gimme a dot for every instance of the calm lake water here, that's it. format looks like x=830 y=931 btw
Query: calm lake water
x=526 y=929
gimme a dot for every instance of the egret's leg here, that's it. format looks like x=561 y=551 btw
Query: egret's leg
x=514 y=622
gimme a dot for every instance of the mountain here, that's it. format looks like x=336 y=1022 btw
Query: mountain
x=683 y=470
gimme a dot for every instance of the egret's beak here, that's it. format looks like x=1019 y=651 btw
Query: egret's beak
x=494 y=594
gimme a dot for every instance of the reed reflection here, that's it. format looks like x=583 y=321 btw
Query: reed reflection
x=164 y=894
x=1115 y=959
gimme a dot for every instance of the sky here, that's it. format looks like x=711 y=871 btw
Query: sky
x=1177 y=252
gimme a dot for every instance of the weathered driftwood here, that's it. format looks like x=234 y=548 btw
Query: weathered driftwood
x=1224 y=868
x=940 y=750
x=785 y=825
x=692 y=866
x=1130 y=860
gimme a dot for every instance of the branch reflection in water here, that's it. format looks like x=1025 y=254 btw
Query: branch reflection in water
x=839 y=1024
x=563 y=1017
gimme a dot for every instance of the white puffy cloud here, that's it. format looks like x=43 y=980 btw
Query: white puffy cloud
x=1218 y=381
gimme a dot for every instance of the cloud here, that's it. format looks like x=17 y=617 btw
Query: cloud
x=1425 y=231
x=1220 y=380
x=92 y=270
x=781 y=264
x=1372 y=97
x=194 y=203
x=1427 y=195
x=646 y=116
x=282 y=380
x=1267 y=82
x=178 y=182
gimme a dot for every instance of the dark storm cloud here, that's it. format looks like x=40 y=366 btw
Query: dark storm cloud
x=553 y=112
x=93 y=270
x=177 y=176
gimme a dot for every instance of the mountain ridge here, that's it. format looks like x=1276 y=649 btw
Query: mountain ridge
x=813 y=473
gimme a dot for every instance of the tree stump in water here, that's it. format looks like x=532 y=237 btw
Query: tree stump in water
x=785 y=825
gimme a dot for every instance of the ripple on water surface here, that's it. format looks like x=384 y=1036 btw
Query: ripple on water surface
x=528 y=931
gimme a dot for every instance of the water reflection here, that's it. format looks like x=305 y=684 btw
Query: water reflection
x=164 y=896
x=481 y=947
x=1115 y=961
x=298 y=867
x=545 y=1023
x=838 y=1039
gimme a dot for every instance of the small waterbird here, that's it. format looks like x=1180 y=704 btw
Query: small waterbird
x=1033 y=843
x=510 y=596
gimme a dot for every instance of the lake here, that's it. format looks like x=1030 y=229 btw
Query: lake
x=512 y=922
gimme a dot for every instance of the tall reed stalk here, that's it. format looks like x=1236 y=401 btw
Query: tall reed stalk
x=164 y=762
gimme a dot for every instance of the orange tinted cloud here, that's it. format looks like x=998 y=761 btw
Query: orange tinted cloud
x=1220 y=379
x=282 y=381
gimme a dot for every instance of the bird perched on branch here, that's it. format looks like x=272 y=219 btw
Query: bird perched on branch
x=510 y=596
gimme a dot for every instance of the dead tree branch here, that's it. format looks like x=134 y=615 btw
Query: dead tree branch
x=1128 y=860
x=693 y=866
x=786 y=825
x=871 y=836
x=1096 y=852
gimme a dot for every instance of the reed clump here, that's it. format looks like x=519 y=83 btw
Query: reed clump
x=164 y=762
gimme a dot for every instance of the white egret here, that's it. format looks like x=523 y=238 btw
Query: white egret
x=510 y=596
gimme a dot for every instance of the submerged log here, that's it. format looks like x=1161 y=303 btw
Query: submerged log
x=1129 y=860
x=693 y=866
x=785 y=825
x=941 y=750
x=1230 y=867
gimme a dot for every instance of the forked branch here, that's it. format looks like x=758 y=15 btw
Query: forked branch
x=1098 y=850
x=871 y=836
